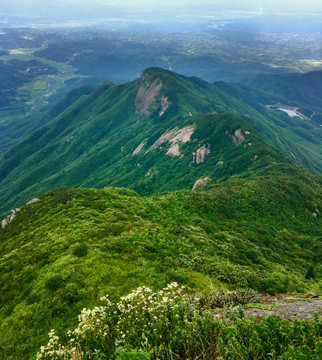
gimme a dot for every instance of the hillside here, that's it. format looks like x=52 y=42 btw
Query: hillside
x=146 y=135
x=73 y=246
x=23 y=121
x=296 y=89
x=294 y=86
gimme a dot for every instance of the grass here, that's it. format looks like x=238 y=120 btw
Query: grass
x=100 y=153
x=256 y=230
x=60 y=66
x=170 y=324
x=263 y=306
x=75 y=245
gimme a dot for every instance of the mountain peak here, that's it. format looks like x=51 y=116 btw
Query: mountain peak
x=150 y=95
x=105 y=139
x=153 y=71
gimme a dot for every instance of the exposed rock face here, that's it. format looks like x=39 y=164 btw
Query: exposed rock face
x=148 y=173
x=182 y=135
x=220 y=163
x=174 y=136
x=165 y=103
x=5 y=222
x=164 y=138
x=237 y=138
x=174 y=150
x=146 y=96
x=202 y=154
x=32 y=201
x=139 y=148
x=254 y=158
x=299 y=308
x=201 y=182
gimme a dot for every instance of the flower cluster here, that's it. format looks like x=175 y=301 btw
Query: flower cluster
x=169 y=324
x=142 y=314
x=146 y=312
x=92 y=323
x=54 y=350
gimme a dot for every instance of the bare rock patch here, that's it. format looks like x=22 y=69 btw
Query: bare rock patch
x=183 y=135
x=165 y=103
x=146 y=96
x=201 y=154
x=164 y=138
x=174 y=136
x=237 y=138
x=174 y=150
x=5 y=222
x=139 y=148
x=201 y=182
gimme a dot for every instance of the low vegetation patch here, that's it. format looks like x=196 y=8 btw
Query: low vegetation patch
x=63 y=252
x=170 y=324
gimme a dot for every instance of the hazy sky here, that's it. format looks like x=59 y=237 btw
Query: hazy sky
x=83 y=9
x=289 y=3
x=315 y=4
x=149 y=3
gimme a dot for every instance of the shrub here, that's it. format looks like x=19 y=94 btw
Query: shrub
x=169 y=324
x=55 y=282
x=132 y=354
x=235 y=313
x=80 y=250
x=220 y=299
x=310 y=273
x=62 y=196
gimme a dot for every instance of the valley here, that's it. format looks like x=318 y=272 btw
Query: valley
x=86 y=55
x=100 y=150
x=160 y=181
x=213 y=205
x=290 y=110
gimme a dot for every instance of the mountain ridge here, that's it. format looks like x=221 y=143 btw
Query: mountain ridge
x=72 y=246
x=92 y=142
x=252 y=220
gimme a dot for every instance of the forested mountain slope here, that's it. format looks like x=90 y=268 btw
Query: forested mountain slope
x=146 y=135
x=65 y=251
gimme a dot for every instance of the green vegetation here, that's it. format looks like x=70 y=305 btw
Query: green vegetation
x=169 y=324
x=293 y=88
x=252 y=226
x=73 y=246
x=222 y=299
x=232 y=53
x=91 y=144
x=29 y=88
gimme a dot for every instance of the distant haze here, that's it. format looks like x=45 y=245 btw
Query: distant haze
x=18 y=12
x=290 y=5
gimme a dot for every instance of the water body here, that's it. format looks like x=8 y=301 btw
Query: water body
x=291 y=113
